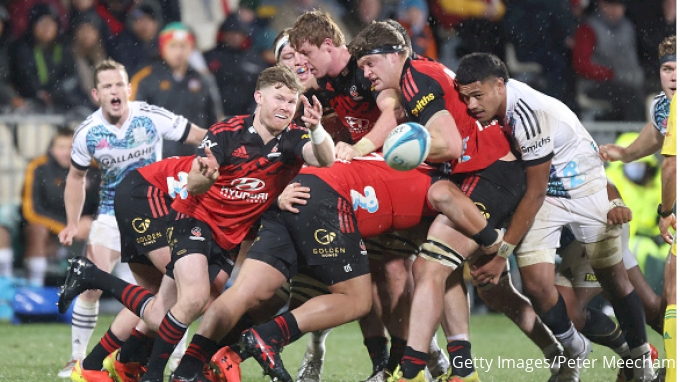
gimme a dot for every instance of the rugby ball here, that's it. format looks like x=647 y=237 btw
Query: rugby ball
x=407 y=146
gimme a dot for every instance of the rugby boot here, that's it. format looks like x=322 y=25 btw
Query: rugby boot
x=123 y=372
x=266 y=355
x=398 y=376
x=310 y=370
x=82 y=375
x=76 y=282
x=226 y=365
x=438 y=364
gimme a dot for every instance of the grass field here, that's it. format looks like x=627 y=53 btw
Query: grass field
x=36 y=352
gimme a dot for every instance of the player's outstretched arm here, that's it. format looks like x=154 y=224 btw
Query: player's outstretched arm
x=74 y=199
x=319 y=152
x=388 y=103
x=196 y=135
x=204 y=173
x=648 y=142
x=447 y=144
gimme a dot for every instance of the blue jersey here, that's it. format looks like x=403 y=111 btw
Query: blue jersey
x=118 y=151
x=658 y=112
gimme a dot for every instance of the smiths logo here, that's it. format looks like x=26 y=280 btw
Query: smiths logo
x=324 y=237
x=537 y=145
x=246 y=189
x=140 y=225
x=420 y=105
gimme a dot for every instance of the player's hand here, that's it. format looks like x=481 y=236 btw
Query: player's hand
x=313 y=114
x=611 y=152
x=664 y=225
x=208 y=165
x=619 y=215
x=67 y=234
x=294 y=193
x=345 y=151
x=485 y=270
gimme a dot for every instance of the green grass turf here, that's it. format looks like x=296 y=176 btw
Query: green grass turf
x=36 y=352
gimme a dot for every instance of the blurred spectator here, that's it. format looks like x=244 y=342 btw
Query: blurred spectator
x=365 y=12
x=235 y=65
x=467 y=26
x=654 y=21
x=137 y=46
x=639 y=183
x=605 y=58
x=43 y=204
x=171 y=83
x=88 y=50
x=87 y=8
x=9 y=99
x=413 y=15
x=551 y=48
x=289 y=10
x=43 y=64
x=19 y=12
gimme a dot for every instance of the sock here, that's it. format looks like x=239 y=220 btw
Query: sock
x=669 y=340
x=461 y=358
x=631 y=315
x=397 y=349
x=130 y=295
x=106 y=346
x=169 y=334
x=600 y=329
x=82 y=326
x=6 y=262
x=377 y=351
x=316 y=346
x=557 y=320
x=486 y=236
x=280 y=331
x=552 y=353
x=413 y=362
x=137 y=348
x=37 y=267
x=234 y=334
x=200 y=350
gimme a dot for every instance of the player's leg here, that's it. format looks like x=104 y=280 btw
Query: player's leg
x=604 y=250
x=669 y=323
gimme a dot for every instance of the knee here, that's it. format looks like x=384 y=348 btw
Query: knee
x=439 y=195
x=537 y=289
x=194 y=304
x=364 y=303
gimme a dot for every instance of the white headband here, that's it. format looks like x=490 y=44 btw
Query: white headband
x=284 y=41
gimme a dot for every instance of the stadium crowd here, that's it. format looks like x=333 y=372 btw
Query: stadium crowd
x=156 y=70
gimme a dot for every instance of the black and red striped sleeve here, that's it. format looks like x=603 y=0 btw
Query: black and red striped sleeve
x=423 y=95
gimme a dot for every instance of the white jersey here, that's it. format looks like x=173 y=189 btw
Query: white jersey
x=118 y=151
x=544 y=129
x=658 y=112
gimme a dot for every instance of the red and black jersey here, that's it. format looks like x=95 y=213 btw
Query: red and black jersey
x=382 y=198
x=169 y=175
x=428 y=87
x=353 y=99
x=252 y=175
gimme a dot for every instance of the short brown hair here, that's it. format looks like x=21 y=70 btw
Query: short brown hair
x=108 y=64
x=278 y=76
x=315 y=27
x=667 y=46
x=374 y=36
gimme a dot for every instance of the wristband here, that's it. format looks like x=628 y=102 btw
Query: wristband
x=318 y=135
x=506 y=250
x=618 y=202
x=664 y=214
x=365 y=146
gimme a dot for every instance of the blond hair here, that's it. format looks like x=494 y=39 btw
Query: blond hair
x=279 y=76
x=108 y=64
x=315 y=27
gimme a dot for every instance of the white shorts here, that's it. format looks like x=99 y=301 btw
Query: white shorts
x=586 y=218
x=105 y=232
x=575 y=270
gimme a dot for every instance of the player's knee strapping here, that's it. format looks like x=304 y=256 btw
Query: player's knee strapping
x=304 y=287
x=434 y=249
x=605 y=253
x=283 y=292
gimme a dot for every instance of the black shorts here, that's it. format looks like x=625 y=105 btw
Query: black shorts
x=495 y=190
x=324 y=236
x=187 y=235
x=140 y=210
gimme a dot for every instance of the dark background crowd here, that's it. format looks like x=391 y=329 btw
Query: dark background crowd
x=590 y=54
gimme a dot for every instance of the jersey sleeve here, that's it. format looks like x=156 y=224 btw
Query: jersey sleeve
x=302 y=135
x=80 y=155
x=669 y=144
x=171 y=126
x=423 y=95
x=532 y=132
